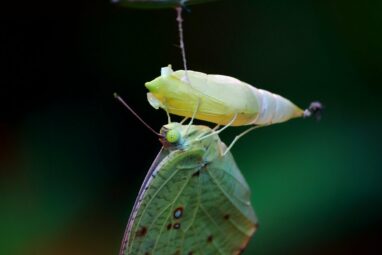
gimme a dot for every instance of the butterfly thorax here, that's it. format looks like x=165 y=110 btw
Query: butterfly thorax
x=176 y=136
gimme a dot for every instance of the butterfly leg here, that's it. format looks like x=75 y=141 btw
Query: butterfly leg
x=216 y=132
x=167 y=112
x=193 y=116
x=216 y=127
x=184 y=120
x=238 y=137
x=168 y=116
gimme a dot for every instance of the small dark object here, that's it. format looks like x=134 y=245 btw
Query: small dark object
x=315 y=109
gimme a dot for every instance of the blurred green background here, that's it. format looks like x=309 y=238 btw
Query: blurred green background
x=72 y=159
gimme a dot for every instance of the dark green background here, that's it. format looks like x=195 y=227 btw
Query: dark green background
x=72 y=159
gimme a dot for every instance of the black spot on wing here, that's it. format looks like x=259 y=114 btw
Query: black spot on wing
x=177 y=226
x=142 y=232
x=178 y=213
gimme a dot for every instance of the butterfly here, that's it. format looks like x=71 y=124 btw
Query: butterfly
x=194 y=199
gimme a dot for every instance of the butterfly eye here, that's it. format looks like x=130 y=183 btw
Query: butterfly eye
x=173 y=136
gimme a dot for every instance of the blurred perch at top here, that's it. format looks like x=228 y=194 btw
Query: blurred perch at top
x=158 y=4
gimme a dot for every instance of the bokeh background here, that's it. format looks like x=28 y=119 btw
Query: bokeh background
x=72 y=159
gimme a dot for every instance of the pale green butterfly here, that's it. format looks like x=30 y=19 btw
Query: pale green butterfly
x=158 y=3
x=194 y=199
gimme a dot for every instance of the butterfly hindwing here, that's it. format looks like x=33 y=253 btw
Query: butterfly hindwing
x=226 y=218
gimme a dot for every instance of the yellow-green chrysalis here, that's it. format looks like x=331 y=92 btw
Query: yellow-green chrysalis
x=220 y=99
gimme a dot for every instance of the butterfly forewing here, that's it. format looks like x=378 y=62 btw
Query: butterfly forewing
x=171 y=184
x=161 y=155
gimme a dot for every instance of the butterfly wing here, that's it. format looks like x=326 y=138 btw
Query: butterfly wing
x=226 y=219
x=192 y=206
x=161 y=155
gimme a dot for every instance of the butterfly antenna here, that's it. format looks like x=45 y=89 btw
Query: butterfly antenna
x=315 y=109
x=116 y=96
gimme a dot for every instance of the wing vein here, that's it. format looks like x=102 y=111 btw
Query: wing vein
x=151 y=199
x=184 y=186
x=217 y=226
x=224 y=192
x=195 y=234
x=197 y=208
x=152 y=223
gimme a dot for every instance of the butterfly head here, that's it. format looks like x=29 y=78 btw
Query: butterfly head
x=172 y=135
x=178 y=136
